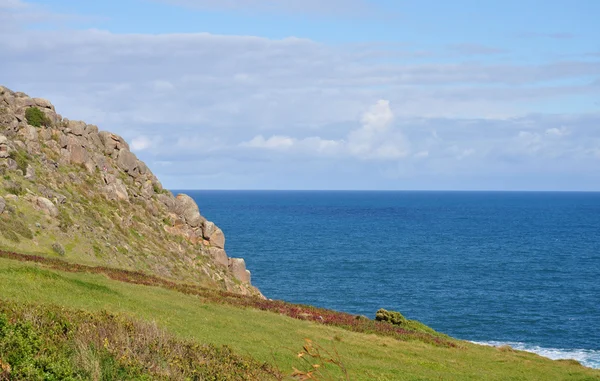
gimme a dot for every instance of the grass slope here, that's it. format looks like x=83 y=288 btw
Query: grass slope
x=271 y=337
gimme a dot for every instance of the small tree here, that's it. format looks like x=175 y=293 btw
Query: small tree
x=36 y=117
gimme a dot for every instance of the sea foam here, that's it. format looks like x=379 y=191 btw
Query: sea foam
x=587 y=357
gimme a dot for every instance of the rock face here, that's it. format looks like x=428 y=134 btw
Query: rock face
x=73 y=155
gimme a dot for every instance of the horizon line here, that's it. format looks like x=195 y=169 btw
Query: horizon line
x=390 y=190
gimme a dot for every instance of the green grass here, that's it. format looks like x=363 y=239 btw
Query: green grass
x=41 y=342
x=271 y=337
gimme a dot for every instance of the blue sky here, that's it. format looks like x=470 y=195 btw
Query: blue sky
x=338 y=94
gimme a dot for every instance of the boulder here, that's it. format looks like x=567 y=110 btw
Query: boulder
x=54 y=117
x=30 y=172
x=2 y=205
x=186 y=207
x=128 y=162
x=78 y=154
x=237 y=266
x=117 y=191
x=30 y=133
x=46 y=134
x=208 y=228
x=54 y=146
x=90 y=129
x=9 y=163
x=103 y=164
x=168 y=201
x=112 y=142
x=147 y=189
x=219 y=256
x=217 y=239
x=213 y=234
x=76 y=126
x=43 y=103
x=47 y=206
x=94 y=140
x=4 y=148
x=23 y=101
x=64 y=141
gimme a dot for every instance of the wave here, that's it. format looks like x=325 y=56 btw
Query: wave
x=587 y=357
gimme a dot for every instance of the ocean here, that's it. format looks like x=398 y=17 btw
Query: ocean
x=517 y=268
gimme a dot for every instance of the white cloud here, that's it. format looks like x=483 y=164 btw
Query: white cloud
x=337 y=7
x=274 y=142
x=378 y=117
x=374 y=140
x=140 y=143
x=563 y=131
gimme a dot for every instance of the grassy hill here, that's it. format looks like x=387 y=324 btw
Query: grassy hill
x=266 y=341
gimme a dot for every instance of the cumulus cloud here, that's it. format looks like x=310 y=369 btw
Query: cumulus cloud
x=374 y=140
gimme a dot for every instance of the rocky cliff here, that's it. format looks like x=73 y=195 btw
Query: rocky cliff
x=68 y=189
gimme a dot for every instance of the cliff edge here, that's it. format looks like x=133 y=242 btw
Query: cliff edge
x=70 y=190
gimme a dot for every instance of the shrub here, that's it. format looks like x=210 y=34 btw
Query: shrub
x=392 y=317
x=13 y=187
x=36 y=117
x=58 y=249
x=20 y=228
x=12 y=228
x=8 y=234
x=22 y=158
x=64 y=220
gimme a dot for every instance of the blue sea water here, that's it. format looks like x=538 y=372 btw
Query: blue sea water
x=490 y=267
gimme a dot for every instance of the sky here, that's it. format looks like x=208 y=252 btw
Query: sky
x=325 y=94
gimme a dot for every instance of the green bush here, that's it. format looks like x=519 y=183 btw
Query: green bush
x=58 y=249
x=36 y=117
x=392 y=317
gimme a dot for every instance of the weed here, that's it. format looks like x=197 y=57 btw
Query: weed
x=317 y=363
